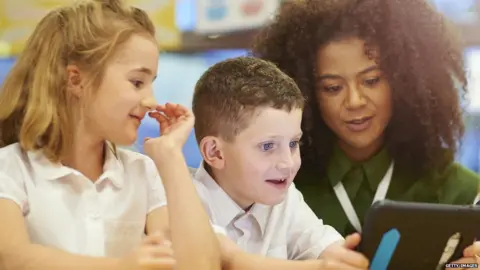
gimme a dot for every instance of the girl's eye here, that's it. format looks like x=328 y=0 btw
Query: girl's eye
x=137 y=83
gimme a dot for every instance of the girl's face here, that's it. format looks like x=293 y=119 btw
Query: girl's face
x=118 y=106
x=354 y=97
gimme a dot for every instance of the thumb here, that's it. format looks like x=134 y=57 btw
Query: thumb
x=472 y=250
x=352 y=241
x=161 y=236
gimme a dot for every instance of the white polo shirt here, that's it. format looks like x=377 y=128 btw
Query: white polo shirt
x=65 y=210
x=289 y=230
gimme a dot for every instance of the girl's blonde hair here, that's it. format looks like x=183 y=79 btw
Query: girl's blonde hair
x=36 y=110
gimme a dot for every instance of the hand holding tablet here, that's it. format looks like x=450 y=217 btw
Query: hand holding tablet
x=405 y=235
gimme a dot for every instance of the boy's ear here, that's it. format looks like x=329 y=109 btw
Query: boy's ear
x=212 y=152
x=74 y=80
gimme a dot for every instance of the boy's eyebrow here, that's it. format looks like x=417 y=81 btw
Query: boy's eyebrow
x=281 y=137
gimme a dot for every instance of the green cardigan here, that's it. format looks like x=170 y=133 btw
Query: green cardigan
x=460 y=187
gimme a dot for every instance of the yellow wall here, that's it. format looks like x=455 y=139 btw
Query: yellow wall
x=18 y=19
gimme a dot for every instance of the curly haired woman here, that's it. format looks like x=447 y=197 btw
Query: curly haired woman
x=383 y=118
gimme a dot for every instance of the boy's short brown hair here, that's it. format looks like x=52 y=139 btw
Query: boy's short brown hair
x=229 y=93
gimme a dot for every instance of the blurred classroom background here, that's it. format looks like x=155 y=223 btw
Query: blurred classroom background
x=195 y=34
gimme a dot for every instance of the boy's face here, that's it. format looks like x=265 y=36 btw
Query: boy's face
x=260 y=164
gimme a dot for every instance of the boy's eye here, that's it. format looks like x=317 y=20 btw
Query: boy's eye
x=267 y=146
x=294 y=144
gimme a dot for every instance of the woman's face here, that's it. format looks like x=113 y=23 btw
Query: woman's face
x=354 y=97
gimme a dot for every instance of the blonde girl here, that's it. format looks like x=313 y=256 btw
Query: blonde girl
x=69 y=199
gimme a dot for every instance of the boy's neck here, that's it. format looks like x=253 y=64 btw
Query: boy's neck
x=215 y=176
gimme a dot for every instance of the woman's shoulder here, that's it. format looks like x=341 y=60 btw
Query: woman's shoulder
x=460 y=185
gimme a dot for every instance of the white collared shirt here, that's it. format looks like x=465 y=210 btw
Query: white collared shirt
x=289 y=230
x=65 y=210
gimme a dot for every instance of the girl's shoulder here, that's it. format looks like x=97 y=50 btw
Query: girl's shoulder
x=129 y=158
x=13 y=159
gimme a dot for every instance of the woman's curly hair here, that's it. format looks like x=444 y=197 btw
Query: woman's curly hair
x=418 y=52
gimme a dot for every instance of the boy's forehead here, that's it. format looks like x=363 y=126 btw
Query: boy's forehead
x=272 y=122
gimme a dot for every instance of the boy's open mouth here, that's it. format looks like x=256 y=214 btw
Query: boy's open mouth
x=280 y=183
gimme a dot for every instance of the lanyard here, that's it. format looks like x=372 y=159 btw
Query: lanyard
x=347 y=206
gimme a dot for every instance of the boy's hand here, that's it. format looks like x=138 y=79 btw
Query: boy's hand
x=155 y=252
x=176 y=123
x=343 y=253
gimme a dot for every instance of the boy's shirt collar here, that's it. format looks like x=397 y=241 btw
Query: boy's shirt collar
x=226 y=211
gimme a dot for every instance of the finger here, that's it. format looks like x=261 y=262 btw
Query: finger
x=354 y=258
x=160 y=108
x=157 y=251
x=352 y=241
x=182 y=110
x=157 y=114
x=171 y=106
x=164 y=110
x=187 y=113
x=162 y=120
x=169 y=113
x=158 y=263
x=170 y=109
x=156 y=238
x=473 y=249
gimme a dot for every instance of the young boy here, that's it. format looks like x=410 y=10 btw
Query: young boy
x=248 y=115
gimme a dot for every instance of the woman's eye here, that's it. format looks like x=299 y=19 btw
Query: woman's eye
x=332 y=88
x=372 y=81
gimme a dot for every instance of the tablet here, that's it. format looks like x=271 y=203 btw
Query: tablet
x=406 y=235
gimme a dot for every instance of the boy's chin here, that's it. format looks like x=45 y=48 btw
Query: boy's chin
x=272 y=201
